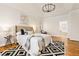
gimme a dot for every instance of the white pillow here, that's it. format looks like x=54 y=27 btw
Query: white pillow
x=29 y=32
x=37 y=34
x=18 y=33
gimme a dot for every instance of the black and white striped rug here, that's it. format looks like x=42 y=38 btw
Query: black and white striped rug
x=53 y=49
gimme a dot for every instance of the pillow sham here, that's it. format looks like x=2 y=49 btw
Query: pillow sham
x=29 y=32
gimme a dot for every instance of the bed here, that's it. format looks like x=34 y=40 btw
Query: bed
x=32 y=42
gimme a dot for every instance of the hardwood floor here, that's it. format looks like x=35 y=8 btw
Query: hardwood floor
x=9 y=46
x=72 y=48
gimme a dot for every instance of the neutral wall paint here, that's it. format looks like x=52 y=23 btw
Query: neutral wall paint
x=36 y=22
x=8 y=18
x=73 y=25
x=51 y=24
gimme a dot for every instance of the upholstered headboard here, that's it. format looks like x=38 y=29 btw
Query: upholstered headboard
x=25 y=27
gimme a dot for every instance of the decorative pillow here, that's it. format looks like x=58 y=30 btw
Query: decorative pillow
x=29 y=32
x=22 y=32
x=26 y=33
x=18 y=33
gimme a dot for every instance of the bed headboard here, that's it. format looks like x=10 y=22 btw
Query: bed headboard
x=25 y=27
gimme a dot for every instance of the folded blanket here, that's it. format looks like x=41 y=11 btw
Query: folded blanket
x=35 y=44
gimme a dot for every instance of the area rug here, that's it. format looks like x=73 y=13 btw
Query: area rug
x=55 y=48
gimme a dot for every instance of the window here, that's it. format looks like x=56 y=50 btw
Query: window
x=63 y=26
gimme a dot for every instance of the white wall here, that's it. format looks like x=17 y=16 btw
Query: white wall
x=74 y=25
x=36 y=22
x=8 y=18
x=51 y=24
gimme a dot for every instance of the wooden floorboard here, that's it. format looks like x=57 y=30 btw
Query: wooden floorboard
x=72 y=48
x=9 y=46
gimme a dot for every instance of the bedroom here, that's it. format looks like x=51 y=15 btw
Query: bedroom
x=60 y=25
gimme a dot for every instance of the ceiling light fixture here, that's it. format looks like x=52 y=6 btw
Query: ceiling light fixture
x=48 y=7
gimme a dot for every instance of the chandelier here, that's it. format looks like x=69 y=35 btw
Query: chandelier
x=48 y=7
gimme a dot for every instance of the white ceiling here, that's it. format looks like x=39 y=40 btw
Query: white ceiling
x=36 y=8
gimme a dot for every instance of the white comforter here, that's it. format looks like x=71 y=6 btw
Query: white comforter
x=35 y=42
x=46 y=37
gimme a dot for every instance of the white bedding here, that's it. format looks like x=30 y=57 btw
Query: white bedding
x=35 y=42
x=34 y=47
x=46 y=37
x=22 y=40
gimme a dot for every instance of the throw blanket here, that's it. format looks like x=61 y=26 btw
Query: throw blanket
x=35 y=44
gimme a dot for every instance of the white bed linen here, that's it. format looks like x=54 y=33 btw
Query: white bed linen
x=22 y=40
x=34 y=48
x=46 y=37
